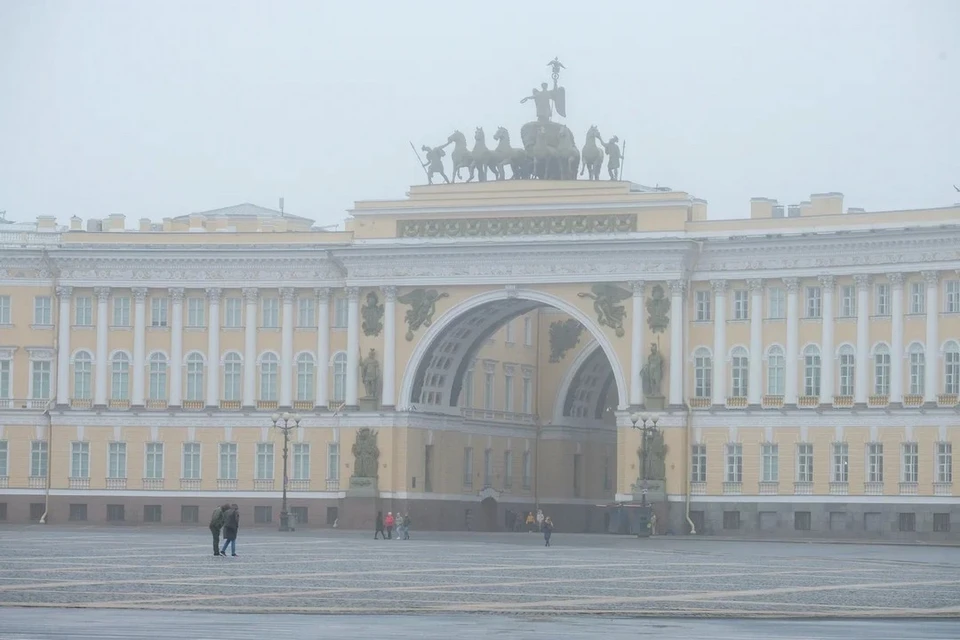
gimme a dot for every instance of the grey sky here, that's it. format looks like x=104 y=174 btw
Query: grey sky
x=157 y=109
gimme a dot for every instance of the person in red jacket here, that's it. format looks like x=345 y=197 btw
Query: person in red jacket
x=388 y=522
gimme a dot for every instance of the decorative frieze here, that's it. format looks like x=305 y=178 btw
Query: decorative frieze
x=526 y=226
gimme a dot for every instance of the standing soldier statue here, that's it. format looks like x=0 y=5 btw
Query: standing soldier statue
x=613 y=152
x=434 y=163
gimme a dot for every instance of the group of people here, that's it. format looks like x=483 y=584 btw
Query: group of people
x=386 y=525
x=225 y=518
x=532 y=523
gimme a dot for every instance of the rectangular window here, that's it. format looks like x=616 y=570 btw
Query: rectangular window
x=804 y=462
x=233 y=313
x=731 y=519
x=527 y=464
x=115 y=513
x=264 y=466
x=78 y=513
x=6 y=367
x=340 y=312
x=841 y=463
x=944 y=462
x=814 y=302
x=467 y=390
x=271 y=313
x=333 y=461
x=527 y=331
x=300 y=513
x=43 y=310
x=848 y=301
x=734 y=462
x=117 y=460
x=527 y=395
x=154 y=461
x=40 y=376
x=847 y=368
x=507 y=469
x=487 y=468
x=776 y=373
x=428 y=468
x=228 y=461
x=740 y=374
x=508 y=333
x=607 y=475
x=196 y=312
x=801 y=520
x=191 y=461
x=262 y=515
x=875 y=462
x=918 y=297
x=508 y=393
x=83 y=316
x=5 y=310
x=121 y=312
x=4 y=459
x=152 y=513
x=702 y=308
x=158 y=312
x=770 y=463
x=38 y=459
x=301 y=461
x=910 y=462
x=698 y=463
x=778 y=303
x=908 y=522
x=306 y=312
x=741 y=304
x=882 y=300
x=952 y=299
x=488 y=391
x=79 y=460
x=941 y=523
x=468 y=466
x=189 y=514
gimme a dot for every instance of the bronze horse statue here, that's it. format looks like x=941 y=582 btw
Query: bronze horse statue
x=505 y=154
x=592 y=155
x=460 y=156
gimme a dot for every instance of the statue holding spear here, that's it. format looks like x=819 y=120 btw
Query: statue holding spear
x=434 y=163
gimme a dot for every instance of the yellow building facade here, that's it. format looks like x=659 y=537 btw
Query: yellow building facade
x=808 y=380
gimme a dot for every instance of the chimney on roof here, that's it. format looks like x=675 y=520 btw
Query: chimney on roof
x=761 y=207
x=76 y=224
x=116 y=222
x=144 y=224
x=46 y=223
x=825 y=204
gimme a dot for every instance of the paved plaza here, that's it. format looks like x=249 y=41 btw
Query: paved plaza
x=447 y=574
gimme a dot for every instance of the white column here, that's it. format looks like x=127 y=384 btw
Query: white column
x=827 y=365
x=213 y=348
x=323 y=346
x=103 y=326
x=139 y=344
x=755 y=380
x=63 y=346
x=250 y=297
x=176 y=348
x=636 y=344
x=677 y=288
x=793 y=341
x=286 y=348
x=719 y=341
x=353 y=345
x=932 y=349
x=863 y=338
x=896 y=339
x=388 y=397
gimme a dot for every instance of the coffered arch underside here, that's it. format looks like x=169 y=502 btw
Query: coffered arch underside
x=588 y=394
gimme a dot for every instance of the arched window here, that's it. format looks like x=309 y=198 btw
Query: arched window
x=811 y=371
x=158 y=377
x=848 y=368
x=268 y=377
x=740 y=370
x=881 y=370
x=232 y=374
x=951 y=368
x=305 y=385
x=82 y=372
x=776 y=371
x=194 y=377
x=918 y=369
x=703 y=373
x=340 y=377
x=121 y=377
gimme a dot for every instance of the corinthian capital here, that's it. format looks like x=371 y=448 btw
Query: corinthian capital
x=719 y=286
x=214 y=294
x=287 y=294
x=827 y=282
x=638 y=287
x=863 y=281
x=389 y=293
x=139 y=294
x=103 y=293
x=755 y=285
x=64 y=293
x=792 y=284
x=930 y=277
x=896 y=280
x=176 y=294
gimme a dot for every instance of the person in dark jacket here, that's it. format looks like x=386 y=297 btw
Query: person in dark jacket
x=547 y=528
x=406 y=526
x=231 y=524
x=380 y=531
x=216 y=523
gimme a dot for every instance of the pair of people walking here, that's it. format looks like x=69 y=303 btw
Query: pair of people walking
x=386 y=525
x=226 y=517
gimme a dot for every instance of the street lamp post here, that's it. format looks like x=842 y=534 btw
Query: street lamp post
x=290 y=422
x=644 y=418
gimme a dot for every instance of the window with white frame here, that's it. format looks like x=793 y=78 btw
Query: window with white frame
x=951 y=368
x=196 y=312
x=910 y=462
x=306 y=312
x=233 y=313
x=79 y=459
x=228 y=461
x=5 y=312
x=814 y=307
x=41 y=377
x=333 y=461
x=703 y=373
x=467 y=466
x=270 y=313
x=264 y=465
x=952 y=298
x=811 y=371
x=507 y=469
x=847 y=364
x=117 y=460
x=38 y=459
x=158 y=377
x=194 y=377
x=804 y=462
x=881 y=370
x=121 y=311
x=120 y=383
x=840 y=471
x=527 y=394
x=153 y=469
x=741 y=304
x=340 y=312
x=191 y=461
x=268 y=376
x=777 y=303
x=769 y=462
x=82 y=376
x=301 y=461
x=918 y=297
x=702 y=306
x=776 y=371
x=698 y=463
x=305 y=368
x=158 y=312
x=6 y=368
x=875 y=462
x=526 y=464
x=83 y=312
x=340 y=377
x=4 y=459
x=43 y=310
x=734 y=462
x=917 y=369
x=508 y=390
x=487 y=467
x=488 y=390
x=944 y=462
x=467 y=390
x=740 y=372
x=881 y=298
x=232 y=377
x=848 y=301
x=508 y=333
x=527 y=331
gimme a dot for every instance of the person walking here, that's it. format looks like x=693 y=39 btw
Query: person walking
x=216 y=524
x=531 y=522
x=388 y=522
x=539 y=519
x=379 y=524
x=547 y=528
x=231 y=526
x=406 y=526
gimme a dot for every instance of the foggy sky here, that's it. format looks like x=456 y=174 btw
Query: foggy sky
x=157 y=109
